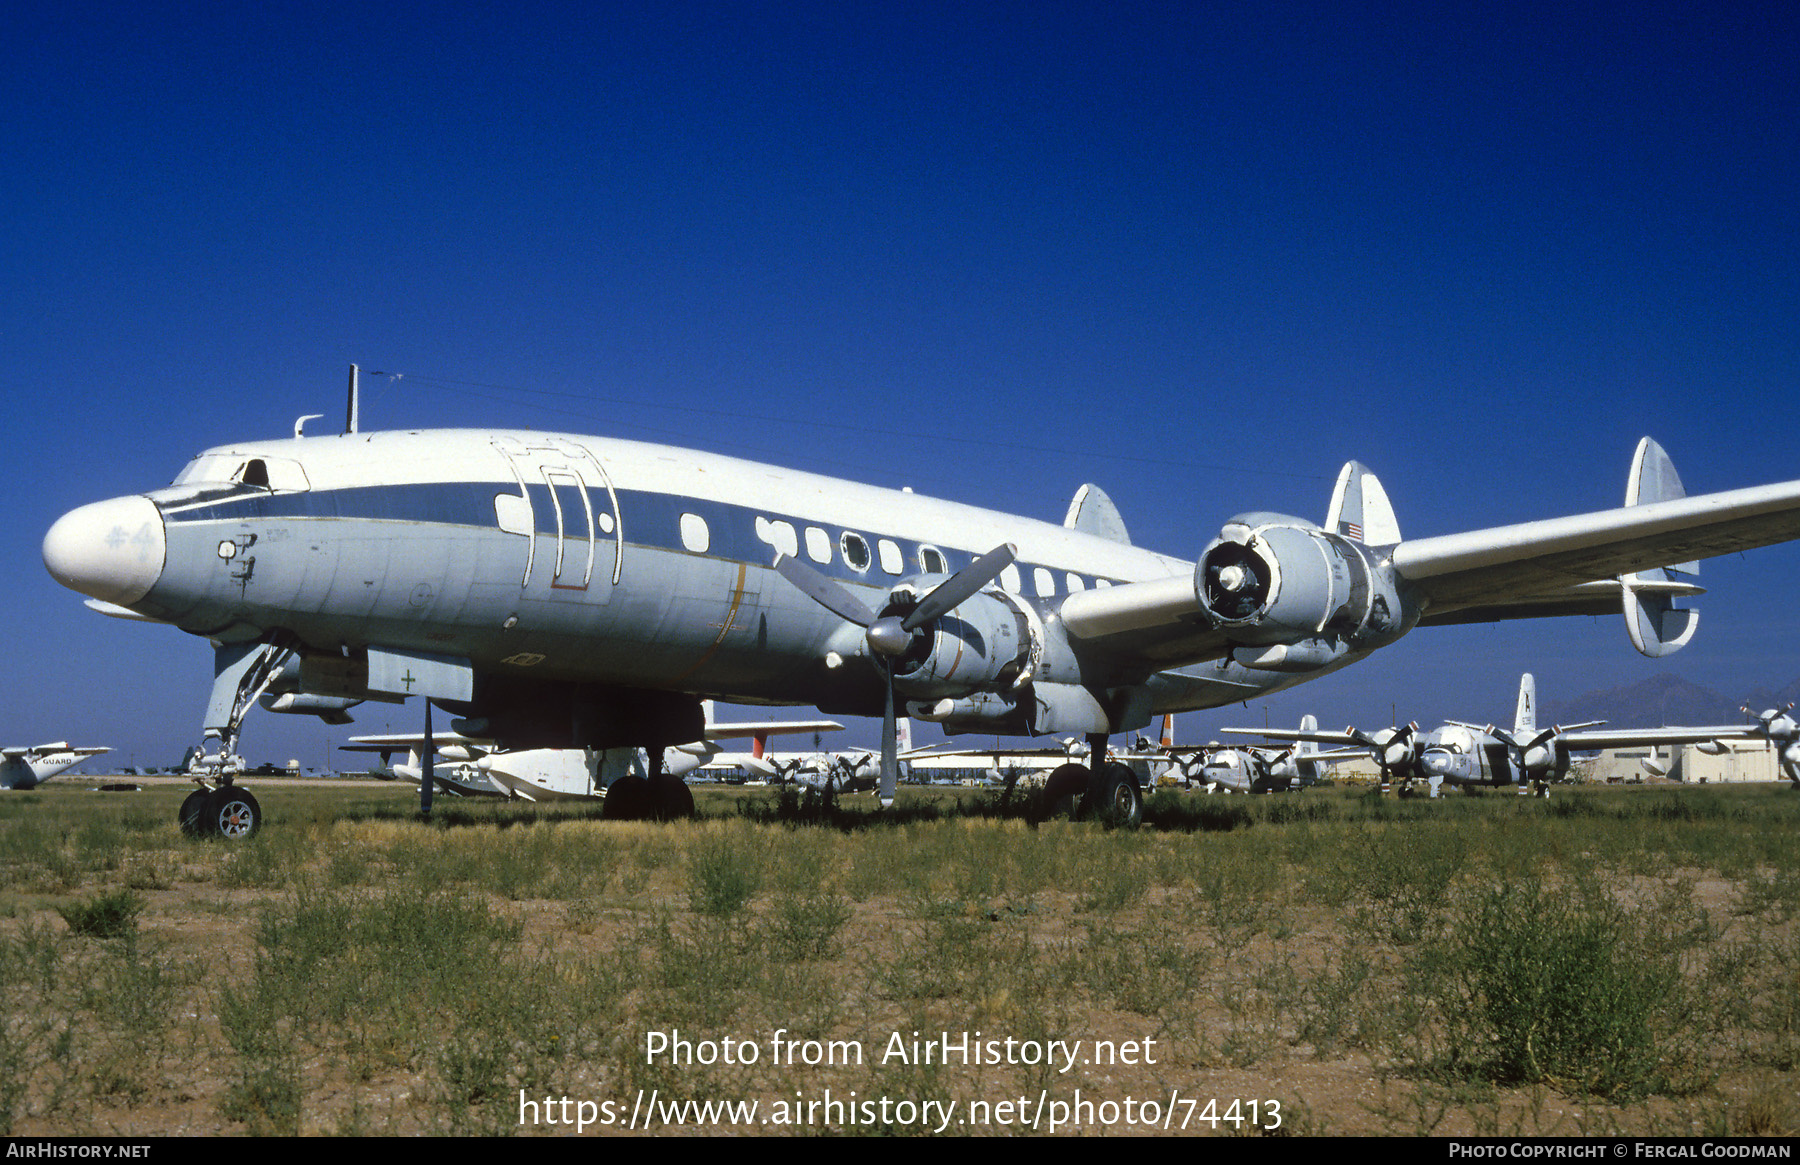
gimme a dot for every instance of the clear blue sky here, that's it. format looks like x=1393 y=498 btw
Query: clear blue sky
x=1199 y=255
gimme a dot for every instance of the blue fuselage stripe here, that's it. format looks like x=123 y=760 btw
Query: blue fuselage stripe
x=649 y=519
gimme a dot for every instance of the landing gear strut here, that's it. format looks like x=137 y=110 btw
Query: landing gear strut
x=1102 y=789
x=218 y=808
x=655 y=797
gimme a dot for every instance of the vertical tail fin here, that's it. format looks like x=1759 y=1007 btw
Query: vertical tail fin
x=1525 y=715
x=1656 y=625
x=1360 y=510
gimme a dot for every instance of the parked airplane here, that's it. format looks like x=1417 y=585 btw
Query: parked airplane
x=1782 y=731
x=842 y=771
x=1254 y=770
x=1467 y=755
x=28 y=766
x=580 y=592
x=480 y=768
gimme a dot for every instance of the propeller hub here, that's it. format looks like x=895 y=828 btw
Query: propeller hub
x=887 y=636
x=1234 y=578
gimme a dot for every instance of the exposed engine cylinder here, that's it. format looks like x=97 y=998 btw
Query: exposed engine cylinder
x=1275 y=579
x=981 y=645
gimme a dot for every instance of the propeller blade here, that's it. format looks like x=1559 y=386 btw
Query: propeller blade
x=824 y=592
x=961 y=585
x=890 y=748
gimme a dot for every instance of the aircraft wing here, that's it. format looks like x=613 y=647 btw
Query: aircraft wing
x=394 y=742
x=1341 y=739
x=1626 y=737
x=769 y=728
x=1558 y=566
x=1504 y=568
x=22 y=751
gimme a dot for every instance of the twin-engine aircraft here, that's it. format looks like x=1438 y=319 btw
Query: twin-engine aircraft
x=28 y=766
x=1527 y=758
x=1256 y=770
x=478 y=768
x=585 y=592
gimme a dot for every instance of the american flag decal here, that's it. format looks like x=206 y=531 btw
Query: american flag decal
x=1351 y=530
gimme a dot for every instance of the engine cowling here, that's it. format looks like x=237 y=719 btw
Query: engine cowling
x=1275 y=579
x=982 y=645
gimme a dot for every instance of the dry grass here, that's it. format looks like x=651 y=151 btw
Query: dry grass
x=1614 y=961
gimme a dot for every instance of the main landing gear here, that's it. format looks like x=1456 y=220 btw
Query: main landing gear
x=226 y=811
x=656 y=797
x=1102 y=789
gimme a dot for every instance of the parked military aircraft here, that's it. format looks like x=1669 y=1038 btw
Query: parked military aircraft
x=581 y=592
x=1466 y=755
x=1782 y=731
x=480 y=768
x=28 y=766
x=1253 y=770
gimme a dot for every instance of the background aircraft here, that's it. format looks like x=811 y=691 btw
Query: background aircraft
x=567 y=592
x=480 y=768
x=28 y=766
x=1253 y=770
x=1466 y=755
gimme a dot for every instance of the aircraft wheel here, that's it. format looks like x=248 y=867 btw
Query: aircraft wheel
x=233 y=814
x=195 y=822
x=670 y=799
x=627 y=799
x=1120 y=800
x=1063 y=791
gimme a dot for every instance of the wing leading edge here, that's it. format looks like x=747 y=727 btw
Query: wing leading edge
x=1506 y=564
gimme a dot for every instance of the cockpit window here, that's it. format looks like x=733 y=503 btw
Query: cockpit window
x=204 y=468
x=270 y=473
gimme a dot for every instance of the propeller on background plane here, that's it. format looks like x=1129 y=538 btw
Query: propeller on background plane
x=1392 y=748
x=890 y=635
x=1783 y=733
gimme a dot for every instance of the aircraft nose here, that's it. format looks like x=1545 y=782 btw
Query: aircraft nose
x=112 y=550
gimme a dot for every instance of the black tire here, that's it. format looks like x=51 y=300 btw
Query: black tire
x=233 y=814
x=627 y=799
x=195 y=820
x=1120 y=801
x=671 y=800
x=1063 y=791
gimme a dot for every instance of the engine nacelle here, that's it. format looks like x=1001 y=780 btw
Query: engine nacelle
x=1276 y=579
x=983 y=645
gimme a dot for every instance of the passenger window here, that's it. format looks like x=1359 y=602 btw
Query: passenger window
x=1044 y=581
x=1009 y=580
x=781 y=535
x=1076 y=583
x=892 y=560
x=512 y=513
x=694 y=534
x=931 y=560
x=818 y=544
x=855 y=550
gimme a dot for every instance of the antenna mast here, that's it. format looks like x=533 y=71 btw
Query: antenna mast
x=351 y=407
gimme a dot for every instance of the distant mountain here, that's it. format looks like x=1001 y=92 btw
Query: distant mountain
x=1662 y=699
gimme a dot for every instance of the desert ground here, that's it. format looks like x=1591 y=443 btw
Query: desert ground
x=1328 y=962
